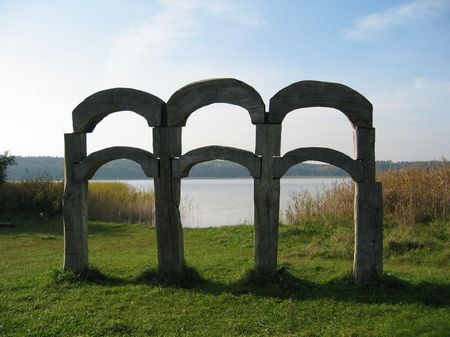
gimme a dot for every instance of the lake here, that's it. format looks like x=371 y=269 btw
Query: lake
x=226 y=202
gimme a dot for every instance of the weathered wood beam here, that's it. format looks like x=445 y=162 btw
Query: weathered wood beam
x=222 y=90
x=94 y=108
x=355 y=168
x=75 y=205
x=307 y=94
x=169 y=232
x=267 y=200
x=87 y=168
x=181 y=166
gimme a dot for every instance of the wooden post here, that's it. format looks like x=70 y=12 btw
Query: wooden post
x=169 y=233
x=267 y=200
x=75 y=205
x=368 y=258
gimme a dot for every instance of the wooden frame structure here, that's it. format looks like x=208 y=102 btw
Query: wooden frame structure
x=167 y=165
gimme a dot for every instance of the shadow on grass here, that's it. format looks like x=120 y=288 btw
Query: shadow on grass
x=188 y=279
x=29 y=224
x=26 y=224
x=390 y=289
x=283 y=285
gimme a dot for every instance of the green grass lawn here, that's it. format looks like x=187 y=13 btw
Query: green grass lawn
x=313 y=294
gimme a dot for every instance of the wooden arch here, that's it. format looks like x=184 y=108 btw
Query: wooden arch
x=182 y=165
x=94 y=108
x=222 y=90
x=353 y=167
x=307 y=94
x=87 y=168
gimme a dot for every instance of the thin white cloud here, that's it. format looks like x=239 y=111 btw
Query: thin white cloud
x=420 y=97
x=375 y=23
x=413 y=117
x=159 y=43
x=224 y=9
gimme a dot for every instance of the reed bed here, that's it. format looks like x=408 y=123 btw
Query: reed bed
x=325 y=205
x=417 y=195
x=38 y=196
x=119 y=202
x=410 y=196
x=108 y=201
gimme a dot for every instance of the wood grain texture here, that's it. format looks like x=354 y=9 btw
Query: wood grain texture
x=181 y=166
x=75 y=206
x=307 y=94
x=267 y=200
x=223 y=90
x=354 y=168
x=87 y=168
x=365 y=150
x=94 y=108
x=368 y=259
x=169 y=231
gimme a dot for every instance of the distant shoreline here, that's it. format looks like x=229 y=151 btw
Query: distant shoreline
x=234 y=178
x=193 y=178
x=53 y=168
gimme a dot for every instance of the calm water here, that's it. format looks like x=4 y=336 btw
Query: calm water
x=225 y=202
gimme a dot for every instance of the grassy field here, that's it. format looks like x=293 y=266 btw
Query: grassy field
x=312 y=295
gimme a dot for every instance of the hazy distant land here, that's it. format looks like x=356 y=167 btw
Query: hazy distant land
x=53 y=167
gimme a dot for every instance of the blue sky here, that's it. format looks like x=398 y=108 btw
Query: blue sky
x=396 y=53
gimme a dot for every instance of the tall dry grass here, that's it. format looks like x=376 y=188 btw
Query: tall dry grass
x=410 y=196
x=108 y=201
x=417 y=195
x=119 y=202
x=326 y=205
x=39 y=196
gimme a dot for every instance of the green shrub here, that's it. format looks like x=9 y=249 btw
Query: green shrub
x=5 y=160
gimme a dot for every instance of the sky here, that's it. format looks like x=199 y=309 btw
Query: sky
x=53 y=54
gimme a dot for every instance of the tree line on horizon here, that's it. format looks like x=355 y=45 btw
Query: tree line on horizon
x=53 y=168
